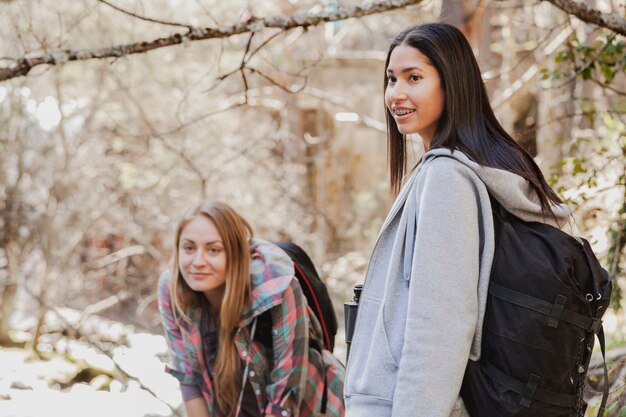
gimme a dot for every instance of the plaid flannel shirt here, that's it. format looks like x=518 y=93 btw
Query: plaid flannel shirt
x=288 y=380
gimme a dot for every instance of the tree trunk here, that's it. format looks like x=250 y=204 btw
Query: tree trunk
x=464 y=14
x=43 y=307
x=8 y=290
x=6 y=308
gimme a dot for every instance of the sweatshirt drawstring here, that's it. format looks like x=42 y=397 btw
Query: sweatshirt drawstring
x=409 y=237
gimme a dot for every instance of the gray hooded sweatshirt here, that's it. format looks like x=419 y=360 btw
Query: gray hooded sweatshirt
x=421 y=311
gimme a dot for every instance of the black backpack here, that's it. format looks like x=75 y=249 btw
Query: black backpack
x=315 y=291
x=547 y=294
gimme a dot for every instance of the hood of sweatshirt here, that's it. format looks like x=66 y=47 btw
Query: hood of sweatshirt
x=271 y=273
x=513 y=192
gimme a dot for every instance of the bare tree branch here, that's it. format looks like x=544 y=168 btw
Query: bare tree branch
x=497 y=73
x=591 y=113
x=118 y=256
x=608 y=87
x=243 y=65
x=532 y=71
x=23 y=65
x=612 y=21
x=143 y=115
x=285 y=88
x=589 y=63
x=265 y=42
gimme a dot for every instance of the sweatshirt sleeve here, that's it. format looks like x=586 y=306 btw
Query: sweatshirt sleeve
x=443 y=301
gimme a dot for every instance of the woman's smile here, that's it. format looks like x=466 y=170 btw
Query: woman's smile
x=402 y=114
x=200 y=275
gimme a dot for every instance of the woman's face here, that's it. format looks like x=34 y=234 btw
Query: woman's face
x=202 y=258
x=414 y=95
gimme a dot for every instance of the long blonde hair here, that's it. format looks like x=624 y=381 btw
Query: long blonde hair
x=236 y=234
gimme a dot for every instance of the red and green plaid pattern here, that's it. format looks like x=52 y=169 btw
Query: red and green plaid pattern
x=294 y=385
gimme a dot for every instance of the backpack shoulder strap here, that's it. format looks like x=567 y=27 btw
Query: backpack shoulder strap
x=605 y=391
x=500 y=216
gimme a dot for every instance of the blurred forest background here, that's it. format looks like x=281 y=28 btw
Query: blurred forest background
x=116 y=116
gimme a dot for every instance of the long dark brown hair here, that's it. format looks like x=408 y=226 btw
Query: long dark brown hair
x=236 y=234
x=467 y=122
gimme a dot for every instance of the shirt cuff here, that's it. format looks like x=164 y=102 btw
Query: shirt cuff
x=190 y=391
x=181 y=376
x=275 y=410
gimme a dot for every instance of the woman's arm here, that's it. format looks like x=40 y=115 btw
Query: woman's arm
x=290 y=331
x=180 y=367
x=443 y=301
x=196 y=407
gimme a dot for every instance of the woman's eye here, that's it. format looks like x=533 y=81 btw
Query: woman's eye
x=214 y=251
x=415 y=77
x=391 y=80
x=188 y=248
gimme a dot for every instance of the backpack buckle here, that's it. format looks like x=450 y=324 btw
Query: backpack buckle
x=596 y=324
x=529 y=390
x=557 y=309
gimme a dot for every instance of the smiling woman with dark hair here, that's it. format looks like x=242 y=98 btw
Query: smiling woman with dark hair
x=420 y=316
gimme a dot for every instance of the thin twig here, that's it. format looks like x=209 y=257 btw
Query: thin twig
x=532 y=71
x=278 y=83
x=565 y=117
x=147 y=19
x=608 y=87
x=243 y=66
x=153 y=135
x=265 y=42
x=589 y=63
x=491 y=75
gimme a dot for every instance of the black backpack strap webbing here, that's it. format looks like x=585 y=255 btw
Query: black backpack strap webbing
x=597 y=297
x=605 y=393
x=596 y=271
x=529 y=390
x=545 y=308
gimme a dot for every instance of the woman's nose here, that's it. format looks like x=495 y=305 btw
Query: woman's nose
x=198 y=257
x=397 y=93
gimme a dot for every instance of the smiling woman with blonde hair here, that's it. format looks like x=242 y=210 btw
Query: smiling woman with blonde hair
x=225 y=284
